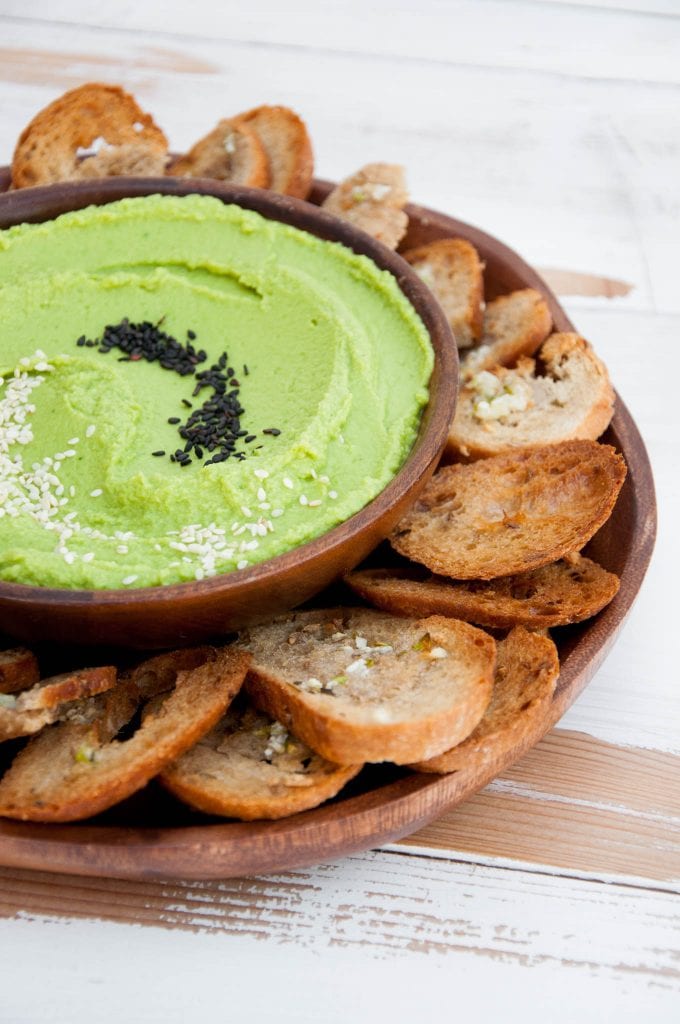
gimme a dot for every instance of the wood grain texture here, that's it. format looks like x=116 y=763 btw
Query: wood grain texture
x=573 y=804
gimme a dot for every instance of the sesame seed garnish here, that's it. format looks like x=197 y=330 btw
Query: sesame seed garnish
x=287 y=482
x=96 y=492
x=333 y=494
x=74 y=440
x=243 y=564
x=159 y=452
x=315 y=503
x=90 y=430
x=127 y=580
x=303 y=499
x=89 y=556
x=261 y=494
x=261 y=474
x=276 y=513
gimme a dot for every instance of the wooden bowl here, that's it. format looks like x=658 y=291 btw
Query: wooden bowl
x=151 y=836
x=185 y=613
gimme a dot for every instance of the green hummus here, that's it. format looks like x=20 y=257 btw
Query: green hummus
x=336 y=359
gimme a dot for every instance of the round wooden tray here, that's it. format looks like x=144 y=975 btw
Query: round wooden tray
x=151 y=836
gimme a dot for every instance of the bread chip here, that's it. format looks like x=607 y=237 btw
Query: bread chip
x=566 y=591
x=250 y=767
x=514 y=325
x=231 y=152
x=288 y=147
x=566 y=395
x=357 y=685
x=452 y=270
x=25 y=713
x=73 y=770
x=373 y=199
x=18 y=669
x=526 y=674
x=512 y=512
x=54 y=146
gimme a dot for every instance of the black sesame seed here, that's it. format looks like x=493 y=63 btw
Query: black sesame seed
x=191 y=335
x=250 y=437
x=160 y=452
x=174 y=419
x=187 y=403
x=274 y=431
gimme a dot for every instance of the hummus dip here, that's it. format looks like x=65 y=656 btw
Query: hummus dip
x=331 y=361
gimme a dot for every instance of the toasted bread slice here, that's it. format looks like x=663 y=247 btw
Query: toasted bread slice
x=231 y=152
x=357 y=685
x=288 y=147
x=512 y=512
x=514 y=325
x=250 y=767
x=18 y=669
x=373 y=199
x=25 y=713
x=526 y=674
x=54 y=146
x=566 y=395
x=452 y=270
x=73 y=770
x=570 y=590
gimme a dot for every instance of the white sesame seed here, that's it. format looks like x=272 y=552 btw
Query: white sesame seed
x=246 y=511
x=261 y=474
x=287 y=482
x=69 y=453
x=69 y=557
x=243 y=564
x=333 y=494
x=74 y=440
x=89 y=556
x=72 y=491
x=96 y=492
x=261 y=494
x=127 y=580
x=90 y=430
x=276 y=513
x=315 y=503
x=303 y=499
x=324 y=480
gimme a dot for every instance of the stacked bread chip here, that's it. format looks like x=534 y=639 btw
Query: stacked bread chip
x=284 y=717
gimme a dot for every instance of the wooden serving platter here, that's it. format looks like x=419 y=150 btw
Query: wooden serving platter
x=152 y=836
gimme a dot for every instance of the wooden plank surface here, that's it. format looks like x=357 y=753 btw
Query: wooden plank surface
x=552 y=895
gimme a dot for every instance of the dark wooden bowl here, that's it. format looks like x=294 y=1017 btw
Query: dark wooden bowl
x=197 y=611
x=151 y=836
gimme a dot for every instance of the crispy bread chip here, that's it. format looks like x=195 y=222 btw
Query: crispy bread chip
x=288 y=147
x=357 y=685
x=54 y=146
x=231 y=152
x=526 y=674
x=514 y=325
x=251 y=767
x=373 y=199
x=25 y=713
x=18 y=669
x=566 y=395
x=452 y=270
x=570 y=590
x=512 y=512
x=72 y=770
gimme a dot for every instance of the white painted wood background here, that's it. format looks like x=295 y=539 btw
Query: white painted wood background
x=555 y=126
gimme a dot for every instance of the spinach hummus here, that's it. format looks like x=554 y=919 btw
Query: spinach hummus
x=188 y=388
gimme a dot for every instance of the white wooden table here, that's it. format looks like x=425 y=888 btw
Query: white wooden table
x=552 y=895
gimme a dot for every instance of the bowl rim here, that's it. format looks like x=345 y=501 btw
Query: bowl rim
x=37 y=205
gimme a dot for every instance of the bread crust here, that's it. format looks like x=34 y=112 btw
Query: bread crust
x=512 y=512
x=373 y=199
x=49 y=147
x=526 y=675
x=52 y=699
x=287 y=145
x=407 y=704
x=72 y=771
x=569 y=396
x=18 y=669
x=453 y=271
x=234 y=772
x=231 y=152
x=514 y=325
x=567 y=591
